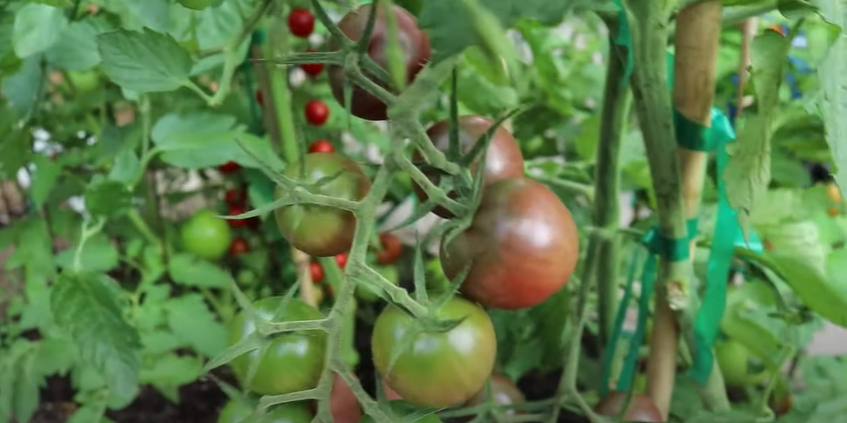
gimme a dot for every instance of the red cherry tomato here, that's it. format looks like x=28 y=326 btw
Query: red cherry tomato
x=321 y=146
x=235 y=210
x=229 y=167
x=316 y=271
x=312 y=69
x=238 y=246
x=234 y=197
x=301 y=22
x=317 y=112
x=259 y=99
x=341 y=260
x=391 y=249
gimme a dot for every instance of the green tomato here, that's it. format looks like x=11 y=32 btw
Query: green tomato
x=84 y=82
x=293 y=412
x=206 y=236
x=738 y=365
x=437 y=368
x=367 y=294
x=401 y=408
x=291 y=361
x=198 y=4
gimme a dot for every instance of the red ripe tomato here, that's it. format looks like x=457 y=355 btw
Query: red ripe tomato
x=316 y=271
x=312 y=69
x=503 y=158
x=438 y=369
x=238 y=246
x=301 y=22
x=291 y=361
x=229 y=167
x=523 y=244
x=235 y=210
x=293 y=412
x=641 y=407
x=391 y=250
x=234 y=197
x=317 y=112
x=321 y=146
x=503 y=391
x=413 y=42
x=322 y=231
x=341 y=260
x=343 y=403
x=259 y=99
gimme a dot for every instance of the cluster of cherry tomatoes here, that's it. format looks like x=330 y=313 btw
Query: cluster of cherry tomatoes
x=236 y=202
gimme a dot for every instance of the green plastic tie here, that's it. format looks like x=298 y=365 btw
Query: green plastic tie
x=619 y=319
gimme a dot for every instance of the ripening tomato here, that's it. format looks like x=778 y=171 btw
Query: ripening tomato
x=641 y=407
x=739 y=366
x=414 y=44
x=341 y=260
x=229 y=167
x=321 y=146
x=522 y=244
x=343 y=403
x=312 y=69
x=291 y=361
x=503 y=157
x=292 y=412
x=205 y=235
x=234 y=197
x=235 y=210
x=391 y=250
x=503 y=391
x=317 y=112
x=402 y=409
x=238 y=246
x=322 y=231
x=316 y=271
x=437 y=369
x=301 y=22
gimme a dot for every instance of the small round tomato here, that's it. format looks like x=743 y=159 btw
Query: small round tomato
x=292 y=412
x=641 y=407
x=414 y=44
x=322 y=231
x=391 y=250
x=312 y=69
x=739 y=367
x=781 y=404
x=503 y=158
x=234 y=197
x=301 y=22
x=437 y=369
x=84 y=82
x=238 y=246
x=402 y=409
x=343 y=403
x=321 y=146
x=205 y=235
x=198 y=4
x=341 y=260
x=317 y=112
x=833 y=192
x=503 y=391
x=260 y=100
x=236 y=210
x=229 y=167
x=522 y=245
x=365 y=293
x=290 y=361
x=316 y=271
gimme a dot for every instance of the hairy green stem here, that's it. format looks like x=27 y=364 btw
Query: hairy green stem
x=280 y=94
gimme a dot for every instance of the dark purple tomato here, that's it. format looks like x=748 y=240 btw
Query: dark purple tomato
x=503 y=391
x=413 y=42
x=641 y=407
x=522 y=244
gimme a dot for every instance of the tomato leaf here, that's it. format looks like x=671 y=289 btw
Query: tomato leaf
x=76 y=49
x=45 y=175
x=172 y=370
x=98 y=255
x=107 y=198
x=145 y=61
x=832 y=102
x=87 y=306
x=21 y=88
x=37 y=28
x=191 y=320
x=824 y=294
x=191 y=271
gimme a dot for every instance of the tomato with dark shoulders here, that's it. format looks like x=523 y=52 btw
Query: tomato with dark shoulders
x=503 y=391
x=522 y=243
x=317 y=230
x=503 y=157
x=291 y=361
x=391 y=250
x=206 y=236
x=321 y=146
x=641 y=407
x=301 y=22
x=293 y=412
x=401 y=409
x=317 y=112
x=413 y=42
x=739 y=366
x=437 y=369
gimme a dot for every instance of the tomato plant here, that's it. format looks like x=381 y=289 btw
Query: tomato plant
x=301 y=22
x=414 y=44
x=205 y=235
x=235 y=412
x=317 y=112
x=287 y=363
x=516 y=261
x=641 y=407
x=323 y=231
x=503 y=157
x=437 y=369
x=391 y=250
